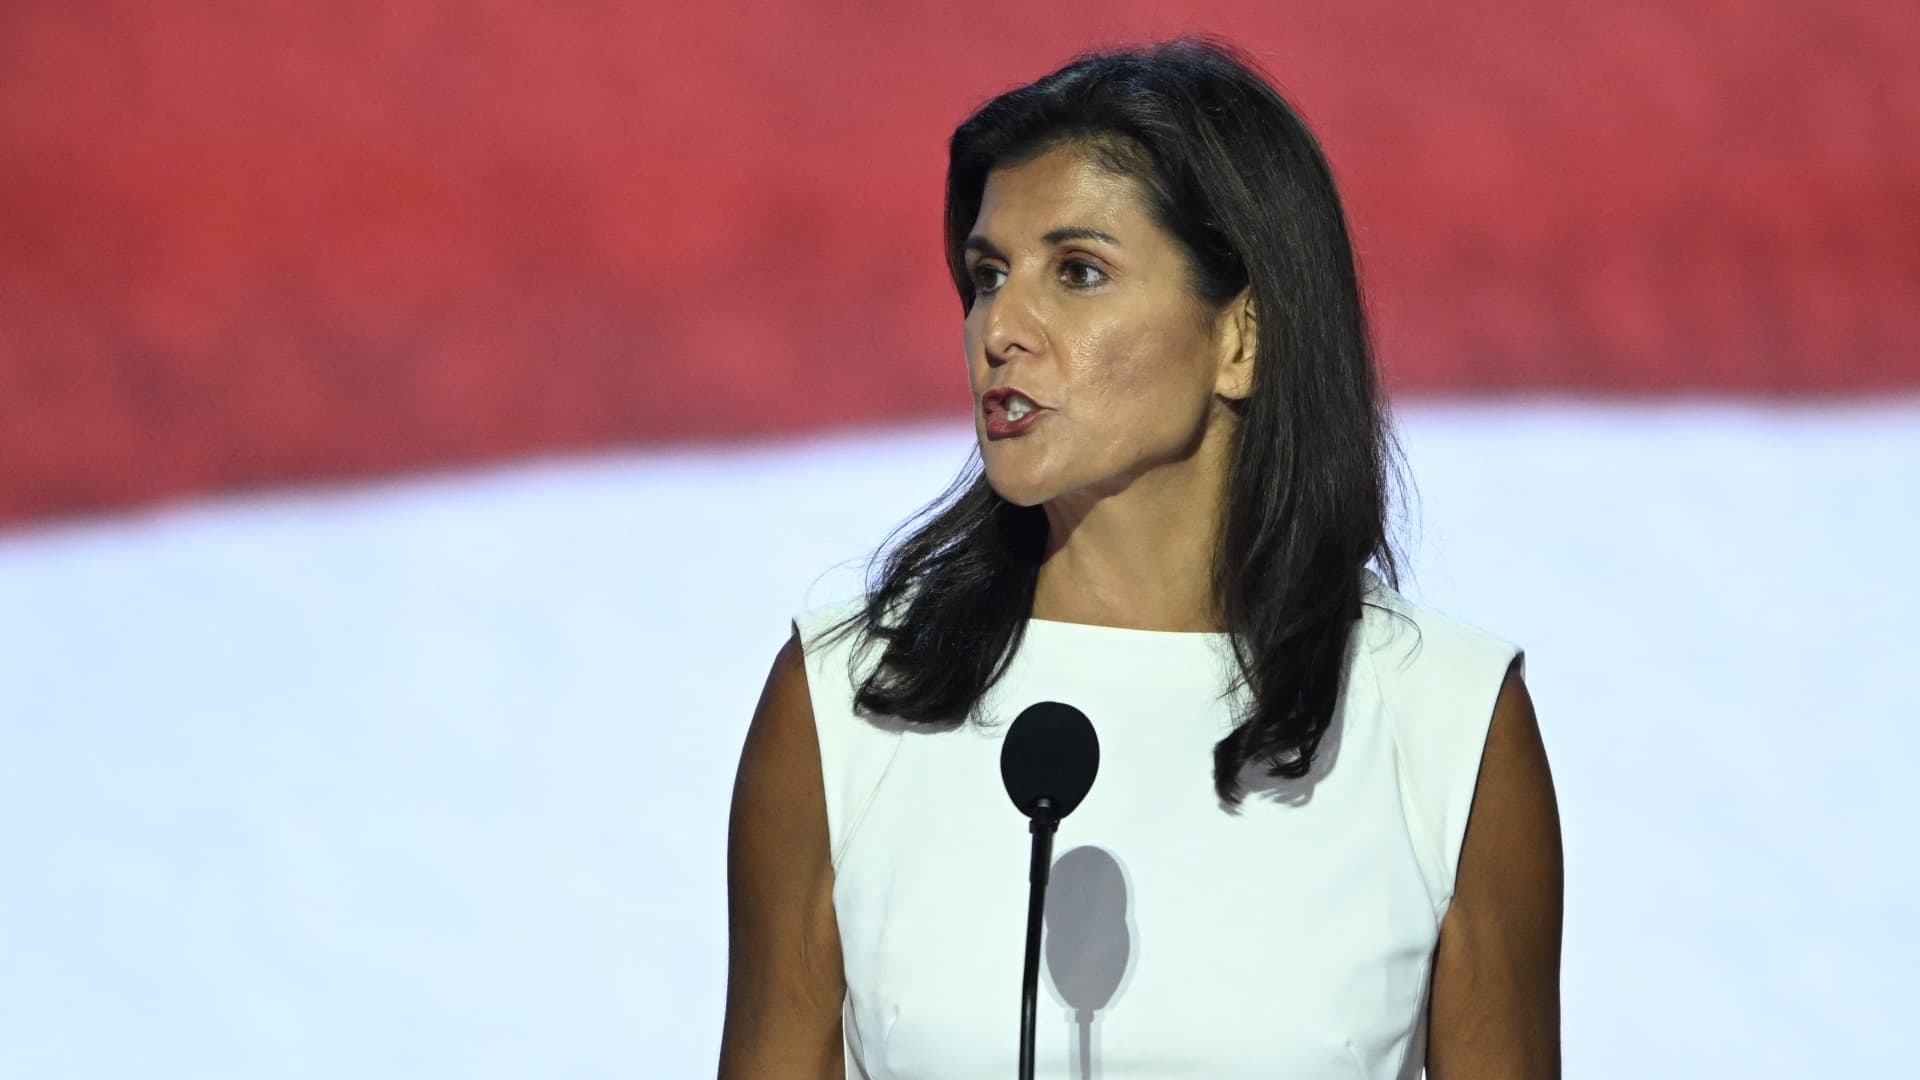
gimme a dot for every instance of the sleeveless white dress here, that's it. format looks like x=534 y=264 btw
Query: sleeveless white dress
x=1292 y=937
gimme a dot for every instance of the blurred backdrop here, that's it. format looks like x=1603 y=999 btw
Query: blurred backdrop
x=418 y=421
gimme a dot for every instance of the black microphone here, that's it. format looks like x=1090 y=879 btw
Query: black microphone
x=1048 y=762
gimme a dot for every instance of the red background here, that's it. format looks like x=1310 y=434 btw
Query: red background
x=249 y=243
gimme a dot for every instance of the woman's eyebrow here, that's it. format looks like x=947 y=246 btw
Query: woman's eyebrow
x=1054 y=238
x=1078 y=232
x=984 y=246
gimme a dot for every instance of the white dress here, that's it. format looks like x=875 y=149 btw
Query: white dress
x=1290 y=938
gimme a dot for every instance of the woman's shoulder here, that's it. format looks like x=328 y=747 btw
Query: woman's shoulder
x=1438 y=678
x=828 y=635
x=1404 y=638
x=825 y=615
x=854 y=749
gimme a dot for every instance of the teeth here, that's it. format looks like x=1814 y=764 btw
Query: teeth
x=1018 y=407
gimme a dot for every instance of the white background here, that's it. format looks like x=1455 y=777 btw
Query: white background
x=431 y=779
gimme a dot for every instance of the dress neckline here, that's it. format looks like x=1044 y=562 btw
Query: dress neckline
x=1100 y=629
x=1370 y=585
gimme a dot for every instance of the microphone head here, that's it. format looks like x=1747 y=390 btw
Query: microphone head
x=1050 y=753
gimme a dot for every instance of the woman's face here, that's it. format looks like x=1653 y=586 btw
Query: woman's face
x=1092 y=360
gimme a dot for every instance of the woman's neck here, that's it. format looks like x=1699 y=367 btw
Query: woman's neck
x=1140 y=558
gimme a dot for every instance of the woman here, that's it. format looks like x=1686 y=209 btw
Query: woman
x=1323 y=841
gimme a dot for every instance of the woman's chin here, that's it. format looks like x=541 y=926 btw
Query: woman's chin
x=1017 y=489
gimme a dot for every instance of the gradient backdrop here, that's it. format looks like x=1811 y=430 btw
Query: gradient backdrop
x=418 y=419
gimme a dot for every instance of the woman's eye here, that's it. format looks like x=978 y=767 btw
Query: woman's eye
x=1083 y=275
x=987 y=278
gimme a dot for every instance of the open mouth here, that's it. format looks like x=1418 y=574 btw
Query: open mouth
x=1008 y=412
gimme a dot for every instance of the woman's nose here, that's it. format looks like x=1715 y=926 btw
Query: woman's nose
x=1013 y=326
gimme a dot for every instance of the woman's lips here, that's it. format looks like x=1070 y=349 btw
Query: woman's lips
x=999 y=427
x=993 y=408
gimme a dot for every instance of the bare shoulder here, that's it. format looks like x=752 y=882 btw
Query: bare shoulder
x=785 y=983
x=1495 y=1008
x=785 y=711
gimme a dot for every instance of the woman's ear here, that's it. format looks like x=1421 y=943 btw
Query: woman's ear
x=1238 y=333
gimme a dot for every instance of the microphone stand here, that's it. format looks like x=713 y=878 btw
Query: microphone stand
x=1042 y=826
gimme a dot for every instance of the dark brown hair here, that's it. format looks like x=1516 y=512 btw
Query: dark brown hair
x=1229 y=170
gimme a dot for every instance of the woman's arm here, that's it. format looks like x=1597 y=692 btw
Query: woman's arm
x=784 y=980
x=1495 y=1011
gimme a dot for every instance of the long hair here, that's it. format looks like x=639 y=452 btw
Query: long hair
x=1230 y=171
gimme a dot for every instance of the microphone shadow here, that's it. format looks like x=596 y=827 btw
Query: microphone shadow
x=1089 y=943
